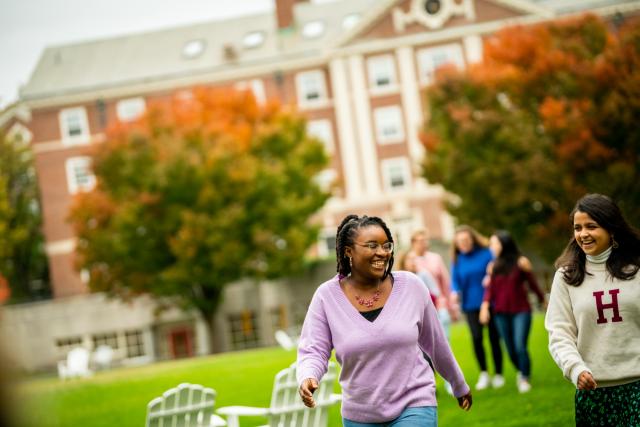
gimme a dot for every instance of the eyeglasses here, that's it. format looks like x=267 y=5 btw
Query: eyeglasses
x=373 y=246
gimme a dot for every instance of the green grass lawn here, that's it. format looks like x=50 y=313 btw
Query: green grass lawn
x=119 y=397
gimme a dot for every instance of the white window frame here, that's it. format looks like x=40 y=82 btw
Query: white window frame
x=323 y=248
x=351 y=20
x=84 y=136
x=326 y=178
x=323 y=131
x=256 y=86
x=388 y=173
x=72 y=164
x=313 y=29
x=310 y=82
x=380 y=67
x=253 y=39
x=427 y=63
x=385 y=117
x=130 y=109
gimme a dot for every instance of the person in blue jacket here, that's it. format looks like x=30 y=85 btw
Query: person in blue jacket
x=470 y=258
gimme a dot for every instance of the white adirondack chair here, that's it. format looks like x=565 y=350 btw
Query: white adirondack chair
x=188 y=405
x=76 y=364
x=287 y=410
x=102 y=357
x=284 y=340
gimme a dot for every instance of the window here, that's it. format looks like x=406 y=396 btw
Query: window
x=64 y=345
x=325 y=179
x=395 y=173
x=74 y=126
x=382 y=72
x=313 y=29
x=256 y=87
x=135 y=343
x=244 y=330
x=350 y=21
x=322 y=130
x=279 y=317
x=429 y=60
x=327 y=243
x=253 y=39
x=130 y=109
x=389 y=127
x=110 y=339
x=193 y=49
x=311 y=87
x=79 y=175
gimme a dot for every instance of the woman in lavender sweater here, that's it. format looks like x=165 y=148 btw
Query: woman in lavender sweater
x=379 y=323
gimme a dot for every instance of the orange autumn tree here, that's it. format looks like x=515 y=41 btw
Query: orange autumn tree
x=198 y=193
x=550 y=114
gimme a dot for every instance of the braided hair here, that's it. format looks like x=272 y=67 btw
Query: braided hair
x=346 y=234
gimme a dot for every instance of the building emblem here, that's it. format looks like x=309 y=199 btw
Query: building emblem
x=432 y=14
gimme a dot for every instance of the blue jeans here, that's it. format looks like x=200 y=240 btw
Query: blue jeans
x=514 y=329
x=423 y=416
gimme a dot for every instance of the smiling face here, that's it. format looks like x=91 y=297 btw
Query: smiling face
x=369 y=263
x=589 y=235
x=464 y=241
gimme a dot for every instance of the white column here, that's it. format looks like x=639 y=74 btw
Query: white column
x=346 y=133
x=368 y=154
x=473 y=49
x=411 y=103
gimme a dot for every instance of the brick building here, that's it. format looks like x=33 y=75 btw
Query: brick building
x=357 y=69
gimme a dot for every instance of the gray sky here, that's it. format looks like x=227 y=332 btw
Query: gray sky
x=28 y=26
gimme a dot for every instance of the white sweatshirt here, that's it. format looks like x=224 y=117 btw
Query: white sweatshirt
x=595 y=327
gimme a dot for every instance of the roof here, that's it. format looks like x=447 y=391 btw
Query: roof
x=218 y=46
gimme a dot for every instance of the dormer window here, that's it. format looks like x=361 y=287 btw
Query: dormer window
x=193 y=49
x=313 y=29
x=253 y=39
x=350 y=21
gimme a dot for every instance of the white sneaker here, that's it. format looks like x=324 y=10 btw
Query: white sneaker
x=523 y=385
x=497 y=381
x=483 y=381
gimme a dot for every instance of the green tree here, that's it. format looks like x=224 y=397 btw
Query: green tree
x=22 y=260
x=199 y=193
x=549 y=115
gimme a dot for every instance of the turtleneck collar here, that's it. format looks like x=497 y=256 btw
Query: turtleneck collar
x=601 y=258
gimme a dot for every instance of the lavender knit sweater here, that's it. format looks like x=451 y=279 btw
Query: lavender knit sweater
x=383 y=370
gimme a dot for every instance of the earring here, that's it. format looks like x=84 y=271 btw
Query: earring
x=350 y=262
x=614 y=244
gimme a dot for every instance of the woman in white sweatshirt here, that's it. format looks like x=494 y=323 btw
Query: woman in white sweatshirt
x=593 y=318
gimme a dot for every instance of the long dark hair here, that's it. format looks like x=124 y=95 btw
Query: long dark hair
x=347 y=231
x=508 y=257
x=624 y=261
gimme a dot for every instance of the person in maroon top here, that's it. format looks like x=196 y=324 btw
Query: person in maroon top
x=508 y=277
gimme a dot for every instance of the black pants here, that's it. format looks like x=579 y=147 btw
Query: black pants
x=473 y=319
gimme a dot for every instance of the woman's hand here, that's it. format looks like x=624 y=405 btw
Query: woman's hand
x=484 y=313
x=586 y=381
x=465 y=402
x=306 y=390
